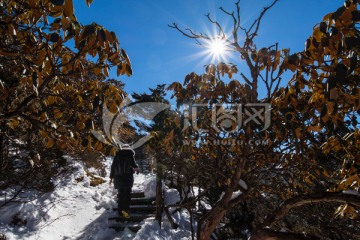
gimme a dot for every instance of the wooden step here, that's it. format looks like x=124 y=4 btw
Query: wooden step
x=134 y=217
x=142 y=201
x=120 y=228
x=141 y=208
x=137 y=194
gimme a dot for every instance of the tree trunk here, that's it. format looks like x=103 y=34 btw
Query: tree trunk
x=264 y=233
x=171 y=220
x=211 y=224
x=268 y=234
x=325 y=197
x=2 y=148
x=219 y=211
x=159 y=194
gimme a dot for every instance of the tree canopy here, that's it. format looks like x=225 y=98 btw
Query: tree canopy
x=53 y=84
x=259 y=147
x=307 y=155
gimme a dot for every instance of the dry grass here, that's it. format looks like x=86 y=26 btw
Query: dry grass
x=79 y=179
x=94 y=180
x=94 y=160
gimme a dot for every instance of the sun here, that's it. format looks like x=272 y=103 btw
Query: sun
x=217 y=49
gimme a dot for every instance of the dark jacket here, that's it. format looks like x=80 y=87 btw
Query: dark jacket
x=122 y=168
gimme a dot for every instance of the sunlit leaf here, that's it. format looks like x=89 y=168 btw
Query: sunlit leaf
x=68 y=8
x=50 y=143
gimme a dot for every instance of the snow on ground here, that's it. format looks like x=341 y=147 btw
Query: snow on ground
x=76 y=210
x=152 y=230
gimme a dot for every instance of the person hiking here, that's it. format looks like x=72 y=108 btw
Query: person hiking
x=122 y=169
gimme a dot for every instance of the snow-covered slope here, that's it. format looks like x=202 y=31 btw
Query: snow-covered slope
x=76 y=210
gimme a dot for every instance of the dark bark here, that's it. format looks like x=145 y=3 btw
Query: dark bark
x=263 y=231
x=212 y=220
x=325 y=197
x=267 y=234
x=159 y=198
x=1 y=149
x=171 y=220
x=3 y=152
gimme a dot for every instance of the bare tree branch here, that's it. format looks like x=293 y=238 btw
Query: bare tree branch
x=270 y=234
x=325 y=197
x=257 y=22
x=246 y=79
x=190 y=33
x=221 y=31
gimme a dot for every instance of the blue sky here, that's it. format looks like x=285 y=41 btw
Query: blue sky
x=160 y=54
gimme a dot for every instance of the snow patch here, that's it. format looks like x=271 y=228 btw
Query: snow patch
x=172 y=196
x=243 y=184
x=152 y=230
x=351 y=192
x=75 y=210
x=149 y=186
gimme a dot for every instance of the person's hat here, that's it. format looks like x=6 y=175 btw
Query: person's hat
x=125 y=146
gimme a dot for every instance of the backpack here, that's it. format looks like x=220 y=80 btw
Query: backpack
x=122 y=164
